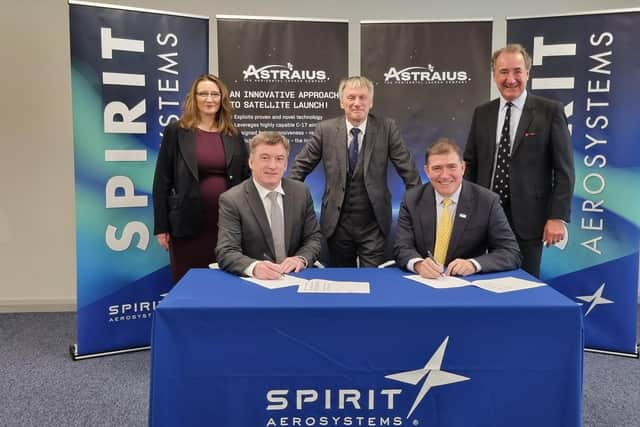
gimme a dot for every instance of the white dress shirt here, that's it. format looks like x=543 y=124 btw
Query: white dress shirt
x=452 y=210
x=266 y=202
x=363 y=129
x=514 y=121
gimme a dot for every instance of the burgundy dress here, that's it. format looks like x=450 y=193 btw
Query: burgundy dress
x=199 y=251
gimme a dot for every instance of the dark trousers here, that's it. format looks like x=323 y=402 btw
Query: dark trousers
x=357 y=236
x=531 y=249
x=531 y=255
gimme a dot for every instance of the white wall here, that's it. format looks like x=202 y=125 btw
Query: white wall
x=37 y=225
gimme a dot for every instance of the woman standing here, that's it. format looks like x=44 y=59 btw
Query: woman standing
x=201 y=156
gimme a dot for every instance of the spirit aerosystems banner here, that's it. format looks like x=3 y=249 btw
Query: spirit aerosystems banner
x=589 y=62
x=283 y=76
x=429 y=76
x=130 y=71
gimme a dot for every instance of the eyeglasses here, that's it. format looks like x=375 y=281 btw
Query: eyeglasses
x=205 y=95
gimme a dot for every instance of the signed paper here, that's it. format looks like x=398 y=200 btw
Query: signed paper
x=506 y=284
x=499 y=285
x=443 y=282
x=319 y=286
x=284 y=282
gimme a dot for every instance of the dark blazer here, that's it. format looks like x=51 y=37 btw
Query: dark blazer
x=176 y=192
x=382 y=142
x=480 y=229
x=244 y=235
x=542 y=173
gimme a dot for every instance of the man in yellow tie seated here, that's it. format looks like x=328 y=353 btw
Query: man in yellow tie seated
x=451 y=226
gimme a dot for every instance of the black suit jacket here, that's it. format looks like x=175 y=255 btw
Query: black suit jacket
x=542 y=173
x=244 y=234
x=176 y=191
x=382 y=143
x=480 y=229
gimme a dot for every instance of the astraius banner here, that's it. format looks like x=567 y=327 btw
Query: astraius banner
x=283 y=75
x=589 y=62
x=130 y=70
x=429 y=77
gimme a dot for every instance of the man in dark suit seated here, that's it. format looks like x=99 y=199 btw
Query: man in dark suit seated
x=356 y=149
x=519 y=146
x=267 y=224
x=450 y=226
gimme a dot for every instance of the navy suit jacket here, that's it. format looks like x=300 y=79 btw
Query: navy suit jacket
x=480 y=229
x=541 y=177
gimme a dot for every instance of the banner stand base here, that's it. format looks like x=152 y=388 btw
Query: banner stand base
x=635 y=355
x=73 y=351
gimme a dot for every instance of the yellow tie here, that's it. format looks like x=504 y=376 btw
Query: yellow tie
x=443 y=232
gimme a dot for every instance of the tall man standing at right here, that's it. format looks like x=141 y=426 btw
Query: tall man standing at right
x=355 y=150
x=520 y=147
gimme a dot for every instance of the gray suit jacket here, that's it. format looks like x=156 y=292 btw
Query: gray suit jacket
x=382 y=142
x=542 y=172
x=480 y=229
x=244 y=234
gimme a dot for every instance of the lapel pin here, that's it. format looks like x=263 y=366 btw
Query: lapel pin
x=462 y=215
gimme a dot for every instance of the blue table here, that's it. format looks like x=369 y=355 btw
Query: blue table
x=227 y=353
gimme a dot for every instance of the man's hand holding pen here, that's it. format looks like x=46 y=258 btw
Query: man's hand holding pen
x=269 y=270
x=429 y=268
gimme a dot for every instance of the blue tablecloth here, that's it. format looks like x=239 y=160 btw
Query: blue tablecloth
x=226 y=352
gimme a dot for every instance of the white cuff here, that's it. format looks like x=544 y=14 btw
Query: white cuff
x=412 y=262
x=249 y=270
x=476 y=264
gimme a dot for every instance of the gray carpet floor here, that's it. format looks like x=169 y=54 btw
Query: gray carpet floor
x=41 y=386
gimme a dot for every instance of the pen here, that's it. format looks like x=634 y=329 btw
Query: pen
x=270 y=259
x=430 y=255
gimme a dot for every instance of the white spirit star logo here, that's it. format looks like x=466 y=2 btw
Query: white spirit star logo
x=595 y=299
x=434 y=375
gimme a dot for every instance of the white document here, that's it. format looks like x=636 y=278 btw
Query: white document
x=284 y=282
x=320 y=286
x=506 y=284
x=443 y=282
x=499 y=285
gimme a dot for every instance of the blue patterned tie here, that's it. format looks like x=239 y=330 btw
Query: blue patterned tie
x=353 y=150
